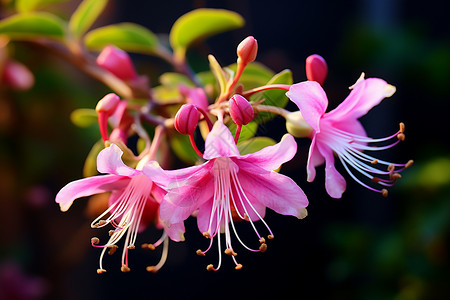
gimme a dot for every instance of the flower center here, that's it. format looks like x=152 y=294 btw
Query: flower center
x=230 y=203
x=125 y=213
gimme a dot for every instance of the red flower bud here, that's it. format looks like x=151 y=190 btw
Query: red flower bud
x=247 y=50
x=17 y=76
x=108 y=104
x=186 y=119
x=316 y=68
x=117 y=62
x=241 y=111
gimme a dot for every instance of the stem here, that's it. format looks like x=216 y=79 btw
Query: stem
x=238 y=133
x=266 y=87
x=191 y=138
x=272 y=109
x=86 y=63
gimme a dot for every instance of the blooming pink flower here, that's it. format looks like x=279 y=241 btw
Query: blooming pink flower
x=133 y=204
x=339 y=132
x=231 y=187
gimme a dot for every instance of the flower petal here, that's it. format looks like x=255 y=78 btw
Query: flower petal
x=89 y=186
x=334 y=182
x=311 y=99
x=365 y=94
x=314 y=159
x=220 y=143
x=176 y=232
x=109 y=160
x=275 y=191
x=271 y=157
x=184 y=197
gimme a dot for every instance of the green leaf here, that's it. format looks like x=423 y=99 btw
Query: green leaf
x=247 y=131
x=127 y=36
x=182 y=148
x=254 y=144
x=31 y=25
x=90 y=164
x=254 y=75
x=274 y=97
x=201 y=24
x=84 y=117
x=85 y=15
x=174 y=79
x=29 y=5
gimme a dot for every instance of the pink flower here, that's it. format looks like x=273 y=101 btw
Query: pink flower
x=231 y=187
x=133 y=204
x=339 y=132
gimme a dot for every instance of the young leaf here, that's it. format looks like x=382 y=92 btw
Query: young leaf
x=84 y=117
x=90 y=164
x=254 y=144
x=182 y=148
x=200 y=24
x=275 y=97
x=31 y=25
x=85 y=15
x=29 y=5
x=248 y=131
x=127 y=36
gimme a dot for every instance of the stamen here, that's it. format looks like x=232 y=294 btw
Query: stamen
x=131 y=247
x=262 y=240
x=101 y=271
x=210 y=267
x=125 y=269
x=263 y=247
x=163 y=259
x=402 y=127
x=148 y=246
x=409 y=164
x=270 y=237
x=206 y=234
x=401 y=136
x=112 y=249
x=95 y=241
x=384 y=192
x=374 y=162
x=238 y=267
x=229 y=251
x=200 y=253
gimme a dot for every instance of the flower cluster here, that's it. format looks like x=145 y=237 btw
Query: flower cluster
x=230 y=184
x=207 y=120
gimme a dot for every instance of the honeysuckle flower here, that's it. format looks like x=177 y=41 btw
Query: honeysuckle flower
x=231 y=187
x=133 y=204
x=339 y=132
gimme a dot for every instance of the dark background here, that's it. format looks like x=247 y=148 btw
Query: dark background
x=362 y=246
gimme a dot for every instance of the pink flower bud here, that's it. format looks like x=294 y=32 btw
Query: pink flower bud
x=316 y=68
x=117 y=62
x=108 y=104
x=186 y=119
x=241 y=111
x=247 y=50
x=17 y=76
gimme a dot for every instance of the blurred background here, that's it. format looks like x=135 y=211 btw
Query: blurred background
x=362 y=246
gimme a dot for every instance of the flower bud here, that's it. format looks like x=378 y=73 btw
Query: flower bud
x=241 y=111
x=316 y=68
x=186 y=119
x=17 y=76
x=247 y=50
x=108 y=104
x=117 y=62
x=297 y=126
